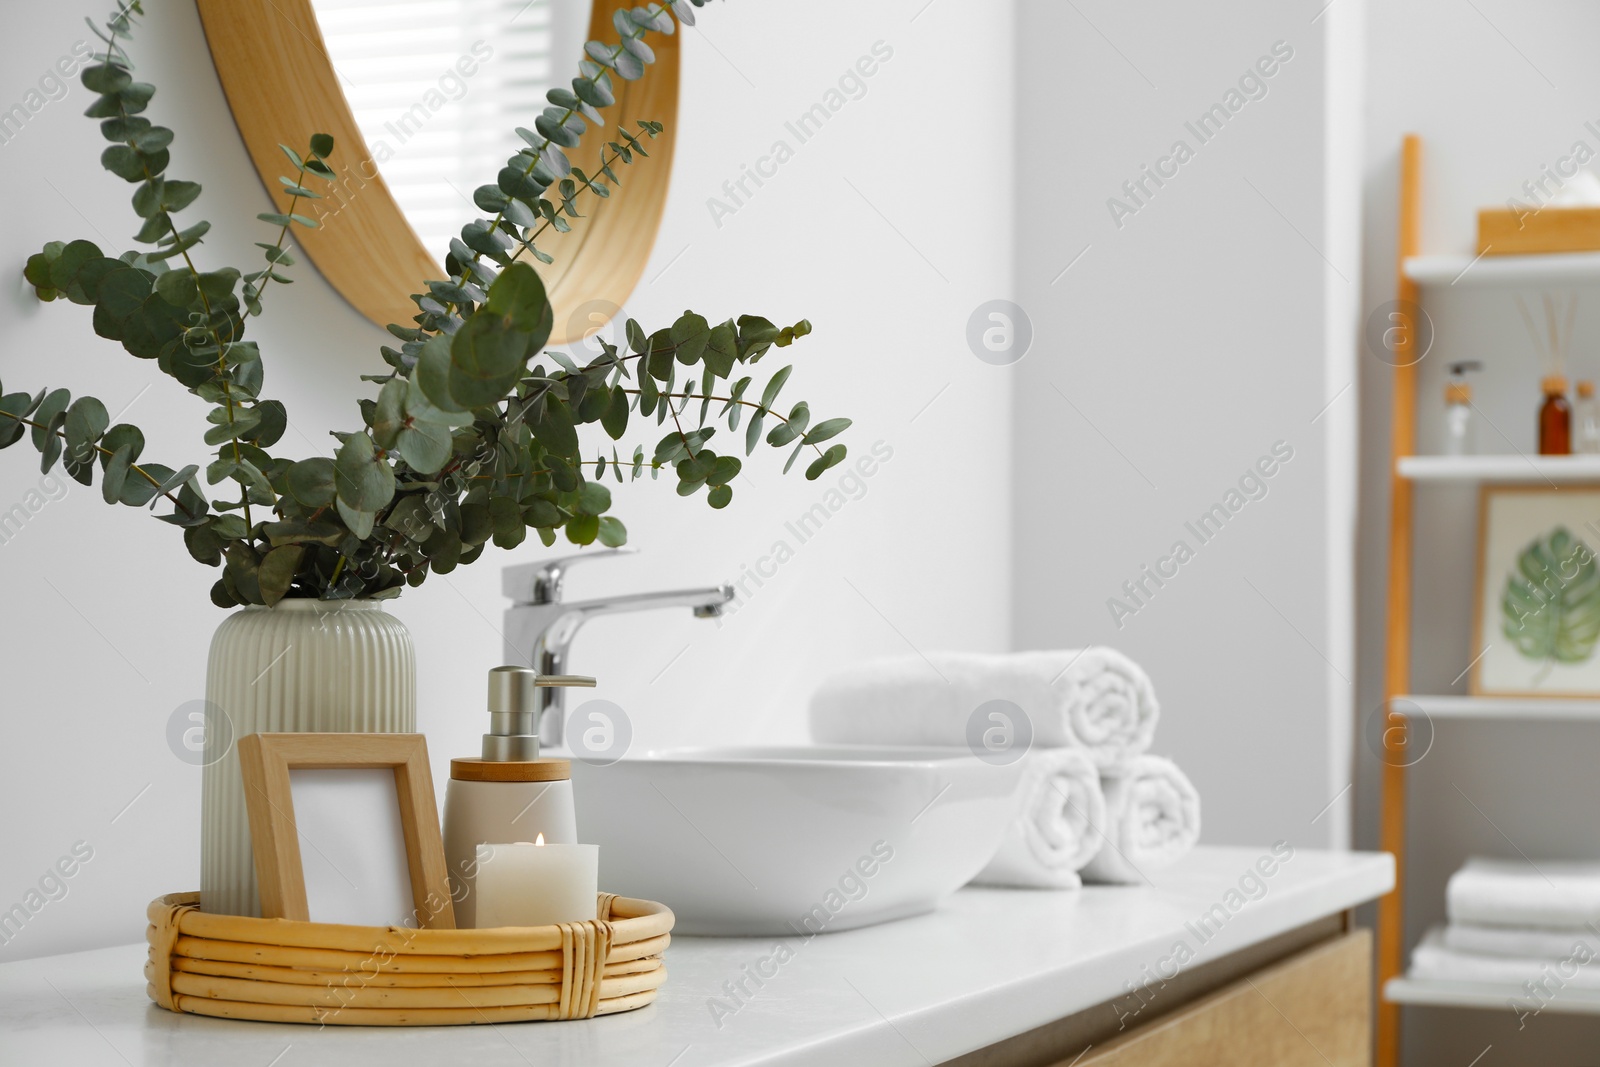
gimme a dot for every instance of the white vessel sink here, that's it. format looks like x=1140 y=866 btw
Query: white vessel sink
x=796 y=840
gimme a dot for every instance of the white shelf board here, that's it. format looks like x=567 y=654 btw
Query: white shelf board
x=1543 y=269
x=1496 y=997
x=1533 y=470
x=1539 y=708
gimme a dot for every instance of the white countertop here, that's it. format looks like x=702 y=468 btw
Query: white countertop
x=989 y=964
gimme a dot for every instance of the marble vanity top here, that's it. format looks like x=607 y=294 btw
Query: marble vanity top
x=988 y=965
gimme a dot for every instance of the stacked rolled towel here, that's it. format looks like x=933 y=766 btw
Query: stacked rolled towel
x=1086 y=780
x=1152 y=819
x=1097 y=700
x=1061 y=809
x=1511 y=921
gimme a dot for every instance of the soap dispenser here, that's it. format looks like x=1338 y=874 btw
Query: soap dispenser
x=1459 y=438
x=508 y=794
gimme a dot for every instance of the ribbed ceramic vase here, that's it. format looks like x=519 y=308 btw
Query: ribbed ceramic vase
x=304 y=666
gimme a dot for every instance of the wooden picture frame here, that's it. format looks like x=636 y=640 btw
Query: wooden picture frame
x=265 y=761
x=282 y=88
x=1500 y=538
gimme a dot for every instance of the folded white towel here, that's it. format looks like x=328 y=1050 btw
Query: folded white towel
x=1152 y=819
x=1097 y=699
x=1053 y=833
x=1518 y=942
x=1489 y=892
x=1433 y=960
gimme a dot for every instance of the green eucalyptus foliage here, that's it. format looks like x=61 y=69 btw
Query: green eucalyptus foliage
x=473 y=436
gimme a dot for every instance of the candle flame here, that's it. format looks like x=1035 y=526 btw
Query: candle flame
x=540 y=840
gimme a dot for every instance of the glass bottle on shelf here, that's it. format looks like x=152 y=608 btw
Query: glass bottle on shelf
x=1460 y=429
x=1555 y=418
x=1586 y=433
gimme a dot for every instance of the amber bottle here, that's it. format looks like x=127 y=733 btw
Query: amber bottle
x=1555 y=418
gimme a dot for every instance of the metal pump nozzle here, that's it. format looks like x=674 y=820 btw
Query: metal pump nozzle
x=514 y=712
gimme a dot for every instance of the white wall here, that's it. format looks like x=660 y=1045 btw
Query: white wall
x=1188 y=339
x=1497 y=91
x=106 y=621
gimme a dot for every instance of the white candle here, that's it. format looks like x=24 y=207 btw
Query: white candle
x=536 y=884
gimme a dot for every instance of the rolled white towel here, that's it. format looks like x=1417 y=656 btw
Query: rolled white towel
x=1490 y=892
x=1552 y=943
x=1096 y=699
x=1152 y=819
x=1053 y=833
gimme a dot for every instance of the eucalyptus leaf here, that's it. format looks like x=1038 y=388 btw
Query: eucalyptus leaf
x=313 y=482
x=583 y=529
x=176 y=479
x=140 y=489
x=830 y=458
x=122 y=436
x=723 y=471
x=433 y=375
x=116 y=474
x=519 y=296
x=594 y=499
x=721 y=350
x=505 y=518
x=487 y=356
x=360 y=522
x=615 y=419
x=752 y=432
x=363 y=479
x=204 y=545
x=691 y=333
x=243 y=572
x=770 y=394
x=86 y=421
x=425 y=446
x=277 y=571
x=14 y=408
x=390 y=417
x=826 y=430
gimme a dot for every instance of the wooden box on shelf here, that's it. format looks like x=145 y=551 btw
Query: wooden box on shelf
x=1503 y=232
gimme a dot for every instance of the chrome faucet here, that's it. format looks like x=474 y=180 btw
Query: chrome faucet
x=540 y=626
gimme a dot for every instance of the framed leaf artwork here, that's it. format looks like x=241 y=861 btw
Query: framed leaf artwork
x=1537 y=631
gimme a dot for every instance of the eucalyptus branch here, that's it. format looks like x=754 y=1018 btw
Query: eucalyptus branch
x=591 y=90
x=133 y=468
x=727 y=400
x=275 y=252
x=567 y=200
x=194 y=272
x=463 y=446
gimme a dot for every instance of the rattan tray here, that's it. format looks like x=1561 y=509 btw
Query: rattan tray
x=277 y=970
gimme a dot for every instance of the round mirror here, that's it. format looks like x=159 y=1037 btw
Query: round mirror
x=423 y=98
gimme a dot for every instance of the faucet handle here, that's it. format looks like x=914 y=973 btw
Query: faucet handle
x=540 y=583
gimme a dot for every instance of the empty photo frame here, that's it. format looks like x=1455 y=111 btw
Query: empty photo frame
x=266 y=760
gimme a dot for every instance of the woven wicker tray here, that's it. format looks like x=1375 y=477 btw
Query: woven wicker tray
x=277 y=970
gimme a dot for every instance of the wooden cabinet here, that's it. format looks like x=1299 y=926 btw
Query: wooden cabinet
x=1313 y=1009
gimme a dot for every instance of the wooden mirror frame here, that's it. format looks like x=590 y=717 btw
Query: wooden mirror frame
x=282 y=87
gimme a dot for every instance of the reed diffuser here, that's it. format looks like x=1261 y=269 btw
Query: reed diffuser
x=1555 y=412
